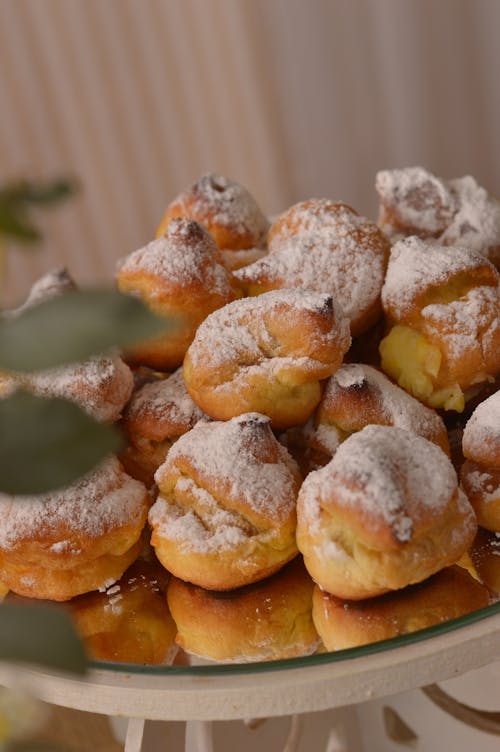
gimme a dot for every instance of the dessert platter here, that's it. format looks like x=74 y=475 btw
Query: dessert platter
x=306 y=513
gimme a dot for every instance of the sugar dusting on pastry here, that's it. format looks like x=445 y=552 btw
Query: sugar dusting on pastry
x=100 y=501
x=388 y=472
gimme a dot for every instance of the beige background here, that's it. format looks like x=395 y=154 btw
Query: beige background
x=293 y=98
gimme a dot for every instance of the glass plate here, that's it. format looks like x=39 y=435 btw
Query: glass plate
x=217 y=669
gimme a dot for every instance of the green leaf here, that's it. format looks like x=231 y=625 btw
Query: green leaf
x=17 y=201
x=35 y=193
x=43 y=635
x=46 y=444
x=74 y=326
x=15 y=224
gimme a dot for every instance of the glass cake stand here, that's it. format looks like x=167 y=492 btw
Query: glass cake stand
x=204 y=693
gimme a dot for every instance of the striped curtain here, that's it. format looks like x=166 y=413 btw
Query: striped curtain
x=293 y=98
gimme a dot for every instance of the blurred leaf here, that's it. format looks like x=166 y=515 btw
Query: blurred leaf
x=74 y=326
x=15 y=224
x=44 y=194
x=46 y=444
x=17 y=201
x=41 y=635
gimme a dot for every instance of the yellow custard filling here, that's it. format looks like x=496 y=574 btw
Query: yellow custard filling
x=414 y=363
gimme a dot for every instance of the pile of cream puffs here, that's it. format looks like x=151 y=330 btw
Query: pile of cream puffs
x=313 y=450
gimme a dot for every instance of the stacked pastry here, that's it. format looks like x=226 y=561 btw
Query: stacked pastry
x=301 y=477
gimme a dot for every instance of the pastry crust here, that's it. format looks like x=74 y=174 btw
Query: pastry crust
x=443 y=306
x=327 y=247
x=446 y=595
x=358 y=395
x=72 y=541
x=130 y=621
x=413 y=201
x=225 y=516
x=159 y=412
x=226 y=209
x=266 y=354
x=269 y=620
x=386 y=512
x=180 y=276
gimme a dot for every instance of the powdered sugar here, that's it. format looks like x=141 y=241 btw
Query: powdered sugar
x=462 y=324
x=163 y=408
x=416 y=265
x=483 y=427
x=186 y=255
x=338 y=252
x=390 y=474
x=101 y=386
x=394 y=406
x=421 y=203
x=458 y=211
x=226 y=203
x=103 y=500
x=242 y=460
x=52 y=284
x=237 y=332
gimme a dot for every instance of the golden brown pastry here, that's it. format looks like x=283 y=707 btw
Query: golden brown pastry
x=357 y=396
x=180 y=276
x=130 y=621
x=327 y=247
x=386 y=512
x=225 y=516
x=266 y=354
x=454 y=212
x=159 y=412
x=268 y=620
x=446 y=595
x=442 y=307
x=68 y=542
x=485 y=555
x=480 y=474
x=229 y=213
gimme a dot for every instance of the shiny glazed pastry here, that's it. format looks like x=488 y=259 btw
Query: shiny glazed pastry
x=386 y=512
x=158 y=413
x=327 y=247
x=442 y=307
x=229 y=213
x=480 y=474
x=266 y=354
x=358 y=395
x=413 y=201
x=269 y=620
x=485 y=555
x=446 y=595
x=130 y=621
x=225 y=516
x=180 y=276
x=68 y=542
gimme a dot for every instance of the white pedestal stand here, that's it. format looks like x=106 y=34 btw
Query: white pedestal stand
x=200 y=696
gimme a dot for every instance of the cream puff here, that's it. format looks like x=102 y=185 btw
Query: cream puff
x=266 y=354
x=386 y=512
x=75 y=540
x=179 y=276
x=225 y=515
x=269 y=620
x=327 y=247
x=229 y=212
x=480 y=474
x=442 y=310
